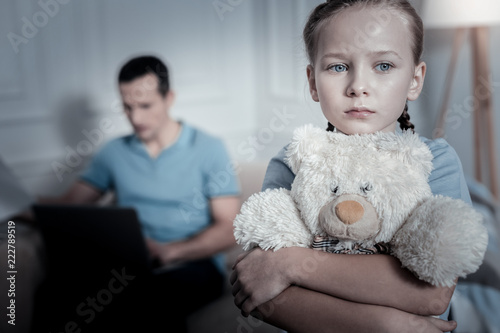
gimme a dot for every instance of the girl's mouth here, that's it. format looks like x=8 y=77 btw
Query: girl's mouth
x=359 y=112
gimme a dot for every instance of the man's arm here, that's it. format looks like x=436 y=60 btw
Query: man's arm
x=216 y=238
x=79 y=193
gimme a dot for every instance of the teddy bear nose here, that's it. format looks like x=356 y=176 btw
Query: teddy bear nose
x=349 y=212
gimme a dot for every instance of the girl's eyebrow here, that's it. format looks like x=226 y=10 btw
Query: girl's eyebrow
x=334 y=55
x=384 y=53
x=373 y=54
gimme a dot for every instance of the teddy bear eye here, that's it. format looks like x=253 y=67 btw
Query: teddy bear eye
x=366 y=188
x=334 y=189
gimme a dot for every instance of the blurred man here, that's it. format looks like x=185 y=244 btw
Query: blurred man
x=180 y=181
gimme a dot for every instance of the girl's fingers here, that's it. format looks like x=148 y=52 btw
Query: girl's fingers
x=247 y=307
x=233 y=278
x=239 y=299
x=236 y=288
x=242 y=299
x=426 y=324
x=443 y=325
x=241 y=257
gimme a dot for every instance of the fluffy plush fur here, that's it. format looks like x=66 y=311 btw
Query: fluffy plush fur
x=363 y=190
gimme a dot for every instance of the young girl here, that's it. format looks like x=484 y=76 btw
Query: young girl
x=364 y=67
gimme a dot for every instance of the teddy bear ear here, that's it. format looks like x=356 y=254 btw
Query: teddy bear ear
x=307 y=141
x=411 y=150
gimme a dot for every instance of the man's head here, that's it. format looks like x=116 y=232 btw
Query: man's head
x=146 y=95
x=140 y=66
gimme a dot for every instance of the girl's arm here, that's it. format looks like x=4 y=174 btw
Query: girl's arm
x=369 y=279
x=260 y=276
x=302 y=310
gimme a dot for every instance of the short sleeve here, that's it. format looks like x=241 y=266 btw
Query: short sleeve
x=278 y=174
x=219 y=172
x=447 y=177
x=98 y=173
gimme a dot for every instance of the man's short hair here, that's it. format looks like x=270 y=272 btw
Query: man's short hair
x=140 y=66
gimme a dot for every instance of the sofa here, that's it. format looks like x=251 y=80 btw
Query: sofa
x=220 y=316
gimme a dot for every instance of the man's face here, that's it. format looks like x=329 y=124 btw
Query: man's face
x=146 y=109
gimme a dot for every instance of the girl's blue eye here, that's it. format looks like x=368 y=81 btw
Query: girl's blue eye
x=338 y=68
x=384 y=67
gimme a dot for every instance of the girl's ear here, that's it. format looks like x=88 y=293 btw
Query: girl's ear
x=417 y=82
x=312 y=83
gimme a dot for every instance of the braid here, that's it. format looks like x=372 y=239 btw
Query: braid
x=404 y=120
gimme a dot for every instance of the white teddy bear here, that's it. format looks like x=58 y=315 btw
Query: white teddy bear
x=358 y=193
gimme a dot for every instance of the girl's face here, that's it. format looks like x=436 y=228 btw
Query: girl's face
x=364 y=70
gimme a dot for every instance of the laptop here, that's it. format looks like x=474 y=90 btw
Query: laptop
x=93 y=234
x=102 y=237
x=97 y=263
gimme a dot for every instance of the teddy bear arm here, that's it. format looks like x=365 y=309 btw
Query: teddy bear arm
x=443 y=239
x=271 y=220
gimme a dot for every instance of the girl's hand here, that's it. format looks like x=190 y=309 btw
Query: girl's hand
x=421 y=324
x=259 y=276
x=440 y=325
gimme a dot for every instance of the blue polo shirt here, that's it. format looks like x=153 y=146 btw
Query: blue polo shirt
x=171 y=193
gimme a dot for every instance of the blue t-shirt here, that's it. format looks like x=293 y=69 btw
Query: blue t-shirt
x=446 y=178
x=171 y=193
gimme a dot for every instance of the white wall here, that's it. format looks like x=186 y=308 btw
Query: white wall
x=238 y=67
x=459 y=125
x=59 y=73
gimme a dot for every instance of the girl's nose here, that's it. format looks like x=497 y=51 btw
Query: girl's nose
x=357 y=86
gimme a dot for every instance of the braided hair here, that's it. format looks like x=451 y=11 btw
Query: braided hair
x=404 y=120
